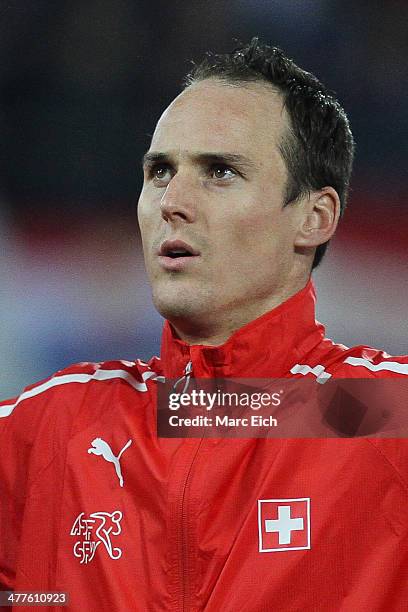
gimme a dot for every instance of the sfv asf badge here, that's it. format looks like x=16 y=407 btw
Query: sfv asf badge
x=284 y=524
x=97 y=528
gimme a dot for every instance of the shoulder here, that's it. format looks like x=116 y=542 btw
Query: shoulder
x=36 y=425
x=69 y=385
x=329 y=360
x=367 y=362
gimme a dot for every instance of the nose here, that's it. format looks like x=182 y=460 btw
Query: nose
x=178 y=201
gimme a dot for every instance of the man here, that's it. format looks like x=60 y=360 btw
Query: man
x=244 y=183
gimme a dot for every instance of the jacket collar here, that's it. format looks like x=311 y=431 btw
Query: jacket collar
x=266 y=347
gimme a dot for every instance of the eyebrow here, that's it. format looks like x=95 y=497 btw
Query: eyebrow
x=154 y=157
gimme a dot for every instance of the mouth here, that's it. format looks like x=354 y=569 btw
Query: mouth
x=176 y=254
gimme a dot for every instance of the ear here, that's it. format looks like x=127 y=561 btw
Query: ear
x=320 y=219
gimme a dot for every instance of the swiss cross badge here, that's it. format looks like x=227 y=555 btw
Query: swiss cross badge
x=284 y=524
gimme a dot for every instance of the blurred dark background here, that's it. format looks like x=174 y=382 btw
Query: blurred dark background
x=82 y=84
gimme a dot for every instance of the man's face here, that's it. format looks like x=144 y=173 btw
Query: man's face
x=214 y=184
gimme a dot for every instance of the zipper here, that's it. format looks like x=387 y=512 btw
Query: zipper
x=184 y=533
x=188 y=372
x=183 y=384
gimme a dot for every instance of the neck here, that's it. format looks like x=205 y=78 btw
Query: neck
x=218 y=327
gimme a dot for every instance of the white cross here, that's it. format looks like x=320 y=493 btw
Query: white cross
x=284 y=525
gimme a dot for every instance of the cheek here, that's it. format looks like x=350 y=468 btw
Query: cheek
x=140 y=212
x=257 y=233
x=145 y=219
x=143 y=229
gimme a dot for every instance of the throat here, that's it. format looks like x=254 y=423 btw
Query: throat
x=209 y=334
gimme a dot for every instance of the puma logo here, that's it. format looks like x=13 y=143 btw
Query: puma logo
x=100 y=447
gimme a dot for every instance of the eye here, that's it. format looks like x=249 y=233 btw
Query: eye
x=160 y=173
x=220 y=171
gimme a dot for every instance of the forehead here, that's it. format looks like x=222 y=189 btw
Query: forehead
x=215 y=116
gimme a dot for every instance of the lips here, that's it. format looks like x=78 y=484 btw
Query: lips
x=176 y=249
x=177 y=254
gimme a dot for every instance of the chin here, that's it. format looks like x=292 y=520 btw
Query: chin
x=175 y=303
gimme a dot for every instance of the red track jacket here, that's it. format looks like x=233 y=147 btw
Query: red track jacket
x=94 y=504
